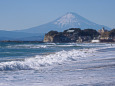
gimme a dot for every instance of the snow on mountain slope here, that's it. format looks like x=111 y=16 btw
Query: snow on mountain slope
x=66 y=19
x=69 y=20
x=72 y=19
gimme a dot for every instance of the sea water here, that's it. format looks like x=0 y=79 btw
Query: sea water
x=57 y=64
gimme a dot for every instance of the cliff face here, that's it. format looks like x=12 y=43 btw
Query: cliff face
x=48 y=38
x=56 y=37
x=71 y=35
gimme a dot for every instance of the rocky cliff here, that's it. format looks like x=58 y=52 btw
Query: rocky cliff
x=57 y=37
x=71 y=35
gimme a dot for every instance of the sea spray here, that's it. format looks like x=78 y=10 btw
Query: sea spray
x=59 y=57
x=46 y=60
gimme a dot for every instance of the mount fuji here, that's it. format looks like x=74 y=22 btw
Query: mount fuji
x=69 y=20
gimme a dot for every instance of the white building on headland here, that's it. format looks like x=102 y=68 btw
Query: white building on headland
x=95 y=41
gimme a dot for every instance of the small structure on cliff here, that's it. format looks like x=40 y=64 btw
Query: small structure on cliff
x=104 y=34
x=103 y=30
x=84 y=39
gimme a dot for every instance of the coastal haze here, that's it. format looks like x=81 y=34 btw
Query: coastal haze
x=57 y=64
x=69 y=20
x=57 y=43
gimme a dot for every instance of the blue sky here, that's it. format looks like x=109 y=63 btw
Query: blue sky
x=23 y=14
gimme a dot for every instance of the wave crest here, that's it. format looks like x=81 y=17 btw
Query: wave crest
x=45 y=60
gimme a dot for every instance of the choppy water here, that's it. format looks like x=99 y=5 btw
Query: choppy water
x=57 y=64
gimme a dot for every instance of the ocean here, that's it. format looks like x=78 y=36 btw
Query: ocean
x=57 y=64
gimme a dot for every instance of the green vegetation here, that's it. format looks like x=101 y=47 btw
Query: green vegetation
x=89 y=32
x=76 y=34
x=112 y=33
x=51 y=33
x=86 y=32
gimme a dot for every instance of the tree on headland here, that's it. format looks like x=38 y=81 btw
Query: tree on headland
x=51 y=33
x=90 y=32
x=112 y=33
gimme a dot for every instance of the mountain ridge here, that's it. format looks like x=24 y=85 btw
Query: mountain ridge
x=69 y=20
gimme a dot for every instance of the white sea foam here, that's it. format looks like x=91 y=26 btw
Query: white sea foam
x=45 y=60
x=92 y=44
x=27 y=46
x=55 y=45
x=77 y=68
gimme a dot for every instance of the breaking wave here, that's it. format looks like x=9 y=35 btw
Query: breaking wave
x=26 y=46
x=49 y=60
x=46 y=60
x=29 y=46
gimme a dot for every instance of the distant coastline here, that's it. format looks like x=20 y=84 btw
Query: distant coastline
x=78 y=35
x=8 y=41
x=75 y=35
x=22 y=41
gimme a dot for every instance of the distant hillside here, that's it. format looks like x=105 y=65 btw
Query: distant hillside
x=32 y=38
x=69 y=20
x=11 y=35
x=5 y=38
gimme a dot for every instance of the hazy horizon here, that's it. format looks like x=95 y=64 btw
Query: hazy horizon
x=23 y=14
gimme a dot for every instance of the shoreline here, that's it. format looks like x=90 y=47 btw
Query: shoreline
x=6 y=41
x=87 y=66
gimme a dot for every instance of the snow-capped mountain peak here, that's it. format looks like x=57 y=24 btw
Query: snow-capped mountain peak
x=66 y=19
x=69 y=20
x=73 y=20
